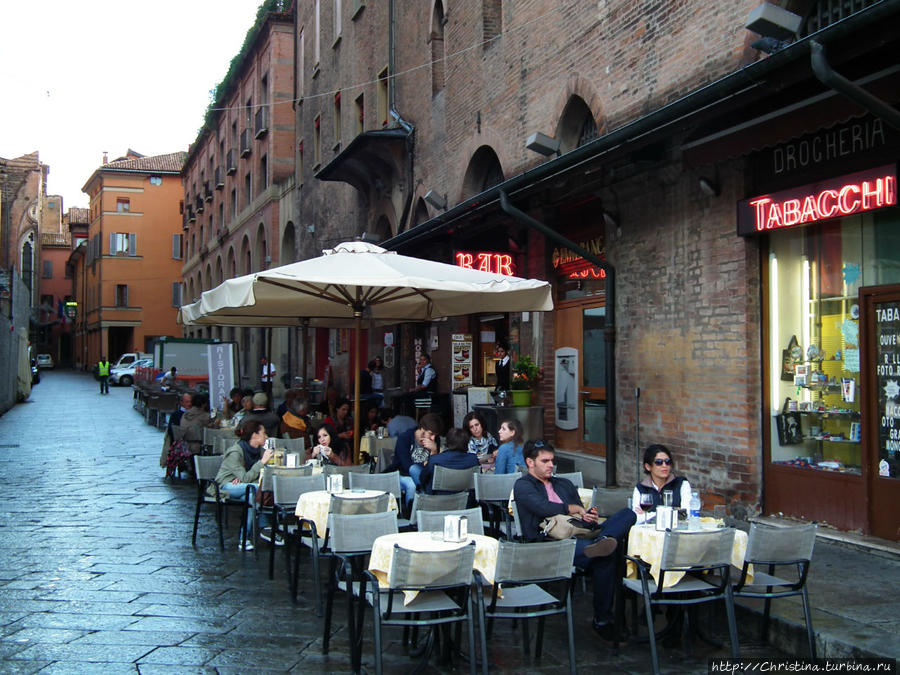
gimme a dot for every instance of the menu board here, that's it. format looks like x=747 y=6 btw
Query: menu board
x=887 y=379
x=461 y=358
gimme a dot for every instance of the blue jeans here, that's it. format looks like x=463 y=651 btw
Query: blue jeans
x=603 y=570
x=408 y=484
x=239 y=493
x=104 y=384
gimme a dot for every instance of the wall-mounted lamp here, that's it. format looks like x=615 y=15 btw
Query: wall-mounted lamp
x=369 y=238
x=773 y=22
x=542 y=144
x=709 y=187
x=438 y=201
x=310 y=228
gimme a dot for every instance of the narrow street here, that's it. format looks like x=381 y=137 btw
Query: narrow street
x=98 y=574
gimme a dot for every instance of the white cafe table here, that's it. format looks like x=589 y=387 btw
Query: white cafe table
x=374 y=445
x=486 y=549
x=315 y=505
x=646 y=542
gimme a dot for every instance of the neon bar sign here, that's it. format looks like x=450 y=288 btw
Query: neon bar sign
x=486 y=261
x=834 y=198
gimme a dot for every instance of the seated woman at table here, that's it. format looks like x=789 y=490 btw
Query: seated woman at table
x=342 y=420
x=481 y=442
x=660 y=477
x=455 y=456
x=512 y=441
x=372 y=420
x=241 y=466
x=331 y=448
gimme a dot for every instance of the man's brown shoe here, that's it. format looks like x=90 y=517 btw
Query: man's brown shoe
x=601 y=548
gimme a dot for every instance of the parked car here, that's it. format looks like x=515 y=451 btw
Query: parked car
x=35 y=372
x=124 y=375
x=44 y=361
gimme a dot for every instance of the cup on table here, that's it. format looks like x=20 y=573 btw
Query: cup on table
x=667 y=498
x=720 y=511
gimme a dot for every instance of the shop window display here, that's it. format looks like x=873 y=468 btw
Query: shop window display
x=815 y=274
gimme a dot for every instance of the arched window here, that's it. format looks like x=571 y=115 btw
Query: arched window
x=484 y=171
x=262 y=247
x=288 y=244
x=576 y=125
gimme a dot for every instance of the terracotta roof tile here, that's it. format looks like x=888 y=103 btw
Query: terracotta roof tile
x=78 y=215
x=171 y=162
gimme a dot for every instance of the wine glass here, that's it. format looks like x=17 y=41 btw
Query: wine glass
x=646 y=502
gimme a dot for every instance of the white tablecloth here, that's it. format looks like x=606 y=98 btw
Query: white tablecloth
x=315 y=505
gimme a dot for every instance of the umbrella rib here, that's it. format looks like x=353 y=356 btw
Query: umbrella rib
x=310 y=289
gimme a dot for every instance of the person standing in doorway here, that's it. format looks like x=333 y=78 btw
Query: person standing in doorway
x=103 y=374
x=504 y=365
x=267 y=376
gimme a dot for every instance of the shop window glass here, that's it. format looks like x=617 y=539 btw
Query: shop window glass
x=814 y=275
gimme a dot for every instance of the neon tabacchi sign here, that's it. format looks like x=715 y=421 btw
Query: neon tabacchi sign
x=834 y=198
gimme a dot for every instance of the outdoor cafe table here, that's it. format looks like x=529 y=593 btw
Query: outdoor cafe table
x=646 y=542
x=374 y=446
x=486 y=549
x=316 y=504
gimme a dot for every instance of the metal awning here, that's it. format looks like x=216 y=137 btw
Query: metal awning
x=373 y=159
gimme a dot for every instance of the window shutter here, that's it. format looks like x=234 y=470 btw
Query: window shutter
x=126 y=297
x=112 y=243
x=176 y=294
x=176 y=246
x=132 y=243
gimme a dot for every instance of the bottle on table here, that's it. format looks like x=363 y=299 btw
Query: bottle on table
x=694 y=514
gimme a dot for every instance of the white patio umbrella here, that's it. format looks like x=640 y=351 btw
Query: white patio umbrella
x=356 y=281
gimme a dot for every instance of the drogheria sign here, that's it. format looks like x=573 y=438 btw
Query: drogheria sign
x=832 y=198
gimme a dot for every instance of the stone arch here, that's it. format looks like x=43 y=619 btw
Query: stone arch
x=288 y=244
x=262 y=248
x=502 y=146
x=420 y=212
x=576 y=125
x=383 y=228
x=484 y=171
x=246 y=262
x=230 y=265
x=577 y=87
x=219 y=278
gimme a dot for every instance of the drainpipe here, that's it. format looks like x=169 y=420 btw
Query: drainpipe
x=609 y=332
x=823 y=72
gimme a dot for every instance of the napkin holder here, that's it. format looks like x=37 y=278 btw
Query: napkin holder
x=666 y=518
x=334 y=483
x=456 y=528
x=292 y=460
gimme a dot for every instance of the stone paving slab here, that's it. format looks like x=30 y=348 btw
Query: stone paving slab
x=97 y=570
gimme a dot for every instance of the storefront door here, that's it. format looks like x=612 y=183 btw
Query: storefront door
x=880 y=318
x=581 y=327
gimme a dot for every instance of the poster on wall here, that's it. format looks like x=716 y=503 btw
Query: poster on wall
x=887 y=382
x=461 y=359
x=220 y=366
x=566 y=391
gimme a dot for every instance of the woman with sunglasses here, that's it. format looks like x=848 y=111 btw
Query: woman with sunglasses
x=660 y=478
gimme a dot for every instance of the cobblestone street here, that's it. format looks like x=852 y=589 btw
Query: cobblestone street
x=98 y=574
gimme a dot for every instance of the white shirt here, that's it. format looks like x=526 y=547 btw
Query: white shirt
x=271 y=368
x=644 y=517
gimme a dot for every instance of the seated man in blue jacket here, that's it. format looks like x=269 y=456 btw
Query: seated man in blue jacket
x=539 y=494
x=455 y=456
x=414 y=447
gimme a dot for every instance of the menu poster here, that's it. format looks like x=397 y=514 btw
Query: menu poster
x=887 y=379
x=461 y=350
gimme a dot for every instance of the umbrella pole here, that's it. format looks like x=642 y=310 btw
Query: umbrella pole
x=355 y=373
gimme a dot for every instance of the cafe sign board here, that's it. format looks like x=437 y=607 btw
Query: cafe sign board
x=846 y=195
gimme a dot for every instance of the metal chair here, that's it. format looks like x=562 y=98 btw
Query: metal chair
x=206 y=469
x=422 y=404
x=575 y=477
x=386 y=482
x=443 y=581
x=772 y=547
x=424 y=502
x=431 y=521
x=705 y=558
x=266 y=488
x=291 y=444
x=607 y=502
x=210 y=434
x=165 y=404
x=286 y=491
x=524 y=572
x=345 y=471
x=352 y=538
x=492 y=491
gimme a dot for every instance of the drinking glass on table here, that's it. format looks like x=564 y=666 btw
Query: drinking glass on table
x=646 y=502
x=667 y=497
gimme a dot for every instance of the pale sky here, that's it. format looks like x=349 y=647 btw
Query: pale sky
x=82 y=76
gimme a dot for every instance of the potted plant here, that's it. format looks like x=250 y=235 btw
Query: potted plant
x=526 y=375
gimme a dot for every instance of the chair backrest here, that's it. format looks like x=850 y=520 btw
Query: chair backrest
x=780 y=545
x=266 y=482
x=490 y=487
x=329 y=469
x=540 y=561
x=431 y=521
x=287 y=489
x=291 y=444
x=575 y=477
x=432 y=569
x=206 y=467
x=388 y=482
x=167 y=402
x=685 y=550
x=608 y=502
x=211 y=435
x=517 y=524
x=451 y=502
x=349 y=506
x=357 y=533
x=454 y=480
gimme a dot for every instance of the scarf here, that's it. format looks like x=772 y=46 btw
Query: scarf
x=251 y=455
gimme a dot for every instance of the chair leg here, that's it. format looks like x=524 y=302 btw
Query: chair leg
x=470 y=625
x=482 y=632
x=196 y=519
x=570 y=627
x=329 y=605
x=526 y=642
x=272 y=547
x=317 y=588
x=539 y=642
x=651 y=635
x=219 y=508
x=732 y=623
x=376 y=619
x=810 y=635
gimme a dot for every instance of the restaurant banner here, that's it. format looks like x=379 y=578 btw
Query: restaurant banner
x=220 y=366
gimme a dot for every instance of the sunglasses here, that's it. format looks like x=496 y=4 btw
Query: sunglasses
x=660 y=462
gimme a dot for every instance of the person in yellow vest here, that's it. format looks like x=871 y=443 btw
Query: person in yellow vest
x=103 y=374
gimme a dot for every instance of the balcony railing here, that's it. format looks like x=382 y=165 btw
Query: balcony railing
x=207 y=192
x=261 y=126
x=198 y=204
x=220 y=178
x=230 y=163
x=245 y=142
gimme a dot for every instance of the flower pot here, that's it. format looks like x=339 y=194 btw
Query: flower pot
x=521 y=397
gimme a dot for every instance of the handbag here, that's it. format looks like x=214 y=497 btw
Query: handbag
x=564 y=526
x=789 y=426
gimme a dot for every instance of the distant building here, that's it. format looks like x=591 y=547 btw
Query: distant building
x=127 y=274
x=53 y=331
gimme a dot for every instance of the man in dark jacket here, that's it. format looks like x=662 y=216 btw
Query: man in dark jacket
x=455 y=456
x=412 y=450
x=539 y=494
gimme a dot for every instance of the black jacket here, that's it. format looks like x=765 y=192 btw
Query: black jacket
x=533 y=505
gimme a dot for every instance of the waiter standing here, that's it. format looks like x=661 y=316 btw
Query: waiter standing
x=267 y=376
